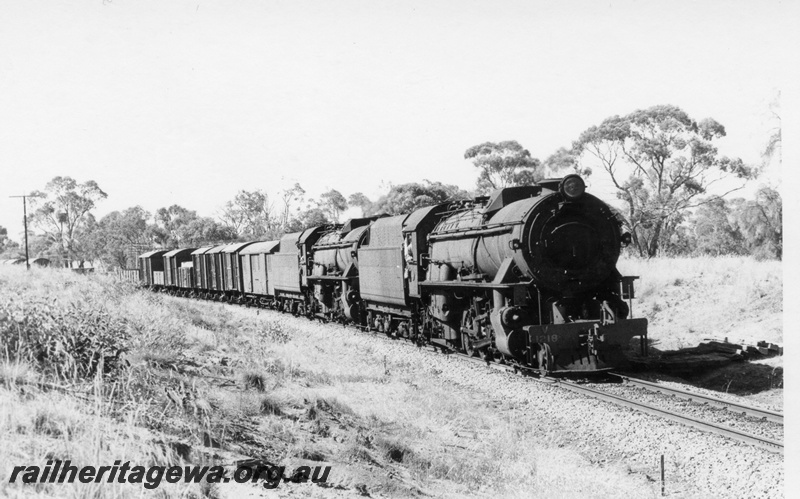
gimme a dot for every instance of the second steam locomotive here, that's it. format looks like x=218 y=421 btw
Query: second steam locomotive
x=526 y=276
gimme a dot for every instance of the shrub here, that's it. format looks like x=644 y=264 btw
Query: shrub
x=270 y=405
x=254 y=380
x=69 y=341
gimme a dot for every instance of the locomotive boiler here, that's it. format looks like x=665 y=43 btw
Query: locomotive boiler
x=529 y=273
x=335 y=270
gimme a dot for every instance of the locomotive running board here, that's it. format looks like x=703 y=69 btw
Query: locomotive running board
x=350 y=273
x=574 y=372
x=470 y=284
x=328 y=278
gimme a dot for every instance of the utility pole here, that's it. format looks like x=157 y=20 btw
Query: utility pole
x=25 y=223
x=62 y=217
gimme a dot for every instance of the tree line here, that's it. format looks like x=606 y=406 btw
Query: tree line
x=662 y=164
x=64 y=229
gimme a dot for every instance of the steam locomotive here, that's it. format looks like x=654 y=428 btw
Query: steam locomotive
x=526 y=276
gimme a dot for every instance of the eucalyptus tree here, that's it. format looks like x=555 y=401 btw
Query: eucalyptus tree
x=662 y=163
x=62 y=212
x=333 y=203
x=503 y=164
x=405 y=198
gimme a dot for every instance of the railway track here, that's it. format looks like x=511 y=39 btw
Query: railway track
x=723 y=430
x=718 y=429
x=734 y=407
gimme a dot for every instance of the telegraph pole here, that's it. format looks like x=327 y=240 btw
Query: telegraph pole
x=25 y=223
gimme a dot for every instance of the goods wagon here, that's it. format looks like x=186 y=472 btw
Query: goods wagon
x=254 y=268
x=172 y=262
x=186 y=276
x=200 y=269
x=215 y=269
x=232 y=262
x=152 y=266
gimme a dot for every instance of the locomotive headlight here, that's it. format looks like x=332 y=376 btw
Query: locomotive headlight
x=572 y=187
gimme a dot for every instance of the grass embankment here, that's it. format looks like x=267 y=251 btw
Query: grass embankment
x=96 y=371
x=687 y=300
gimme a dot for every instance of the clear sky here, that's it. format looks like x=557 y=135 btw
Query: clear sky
x=186 y=102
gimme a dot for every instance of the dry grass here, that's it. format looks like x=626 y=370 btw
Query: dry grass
x=37 y=425
x=689 y=299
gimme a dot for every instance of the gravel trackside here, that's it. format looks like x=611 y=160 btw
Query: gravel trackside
x=711 y=414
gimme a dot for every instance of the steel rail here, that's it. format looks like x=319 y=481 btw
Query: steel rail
x=762 y=442
x=726 y=431
x=735 y=407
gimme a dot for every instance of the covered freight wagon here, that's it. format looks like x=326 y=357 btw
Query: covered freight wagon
x=172 y=262
x=199 y=268
x=254 y=267
x=152 y=265
x=215 y=268
x=233 y=273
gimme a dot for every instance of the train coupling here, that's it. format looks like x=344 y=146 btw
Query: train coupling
x=586 y=345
